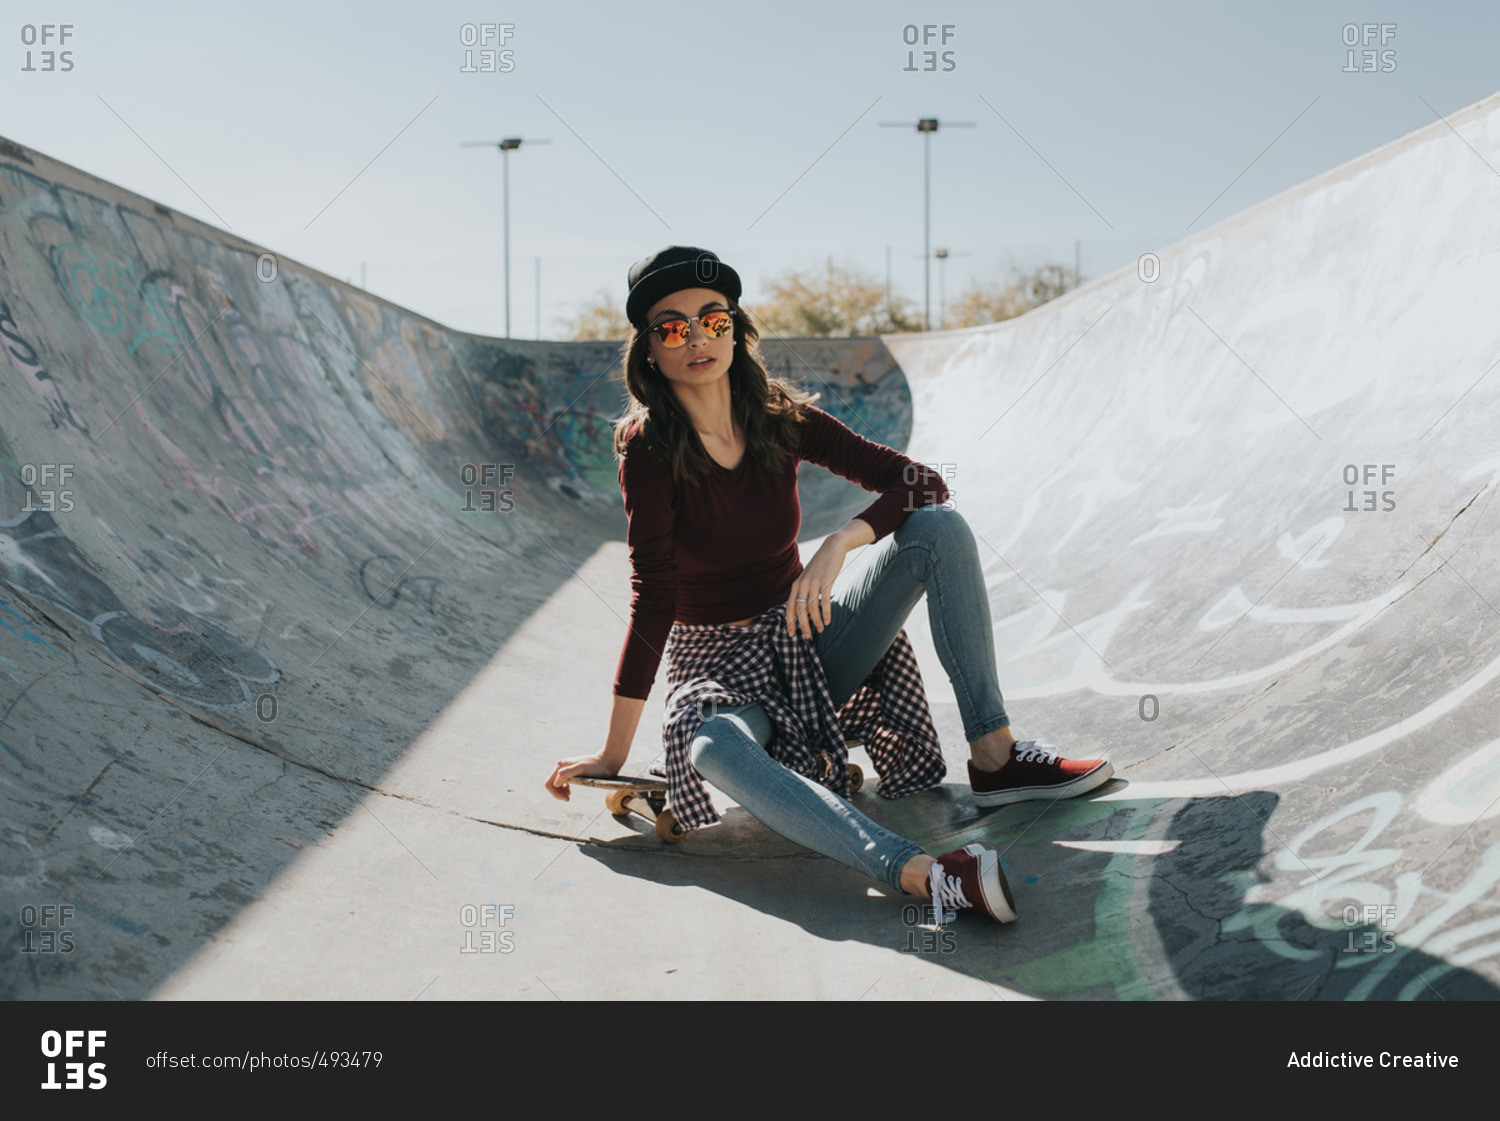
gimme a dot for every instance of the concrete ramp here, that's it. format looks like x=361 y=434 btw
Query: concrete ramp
x=301 y=594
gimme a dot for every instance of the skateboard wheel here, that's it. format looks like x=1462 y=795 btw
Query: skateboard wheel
x=668 y=829
x=618 y=803
x=856 y=777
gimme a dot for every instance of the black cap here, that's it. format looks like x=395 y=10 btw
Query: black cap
x=671 y=270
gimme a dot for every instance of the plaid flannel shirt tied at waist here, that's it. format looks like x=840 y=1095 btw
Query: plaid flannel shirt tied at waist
x=761 y=663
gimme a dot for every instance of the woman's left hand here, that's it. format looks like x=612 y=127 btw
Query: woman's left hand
x=815 y=585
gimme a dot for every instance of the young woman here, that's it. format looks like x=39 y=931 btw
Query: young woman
x=763 y=659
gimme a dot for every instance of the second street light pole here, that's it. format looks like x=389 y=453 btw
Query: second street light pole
x=942 y=255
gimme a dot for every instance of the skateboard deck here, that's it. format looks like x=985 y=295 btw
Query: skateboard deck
x=648 y=797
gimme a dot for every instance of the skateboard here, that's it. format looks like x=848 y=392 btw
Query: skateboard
x=644 y=796
x=856 y=772
x=648 y=797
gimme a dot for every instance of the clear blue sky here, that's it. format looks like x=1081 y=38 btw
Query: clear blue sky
x=750 y=129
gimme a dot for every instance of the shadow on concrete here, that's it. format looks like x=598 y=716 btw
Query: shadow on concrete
x=1134 y=923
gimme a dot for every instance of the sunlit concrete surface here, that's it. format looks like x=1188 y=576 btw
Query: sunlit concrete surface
x=301 y=595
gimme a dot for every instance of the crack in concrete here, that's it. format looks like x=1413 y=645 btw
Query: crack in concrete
x=1205 y=731
x=249 y=799
x=1433 y=543
x=81 y=798
x=42 y=615
x=19 y=696
x=1215 y=921
x=649 y=847
x=658 y=848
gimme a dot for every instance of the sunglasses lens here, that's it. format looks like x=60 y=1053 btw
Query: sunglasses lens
x=673 y=333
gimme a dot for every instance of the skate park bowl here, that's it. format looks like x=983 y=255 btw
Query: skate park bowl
x=303 y=594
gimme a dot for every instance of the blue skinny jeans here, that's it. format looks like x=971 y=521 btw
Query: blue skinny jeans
x=932 y=552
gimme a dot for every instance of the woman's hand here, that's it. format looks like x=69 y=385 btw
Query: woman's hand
x=815 y=585
x=590 y=766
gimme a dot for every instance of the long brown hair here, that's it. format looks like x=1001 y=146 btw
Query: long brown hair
x=769 y=409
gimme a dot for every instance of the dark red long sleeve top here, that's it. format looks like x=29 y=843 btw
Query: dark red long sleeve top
x=726 y=548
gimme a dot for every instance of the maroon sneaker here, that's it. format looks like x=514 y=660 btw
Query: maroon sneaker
x=1035 y=773
x=970 y=877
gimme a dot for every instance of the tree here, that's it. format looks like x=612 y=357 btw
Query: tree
x=601 y=321
x=831 y=303
x=1046 y=283
x=844 y=303
x=981 y=304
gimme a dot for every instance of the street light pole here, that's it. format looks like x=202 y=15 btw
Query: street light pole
x=926 y=131
x=506 y=146
x=505 y=150
x=927 y=126
x=942 y=256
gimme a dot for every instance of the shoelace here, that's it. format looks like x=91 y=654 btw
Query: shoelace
x=947 y=895
x=1032 y=751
